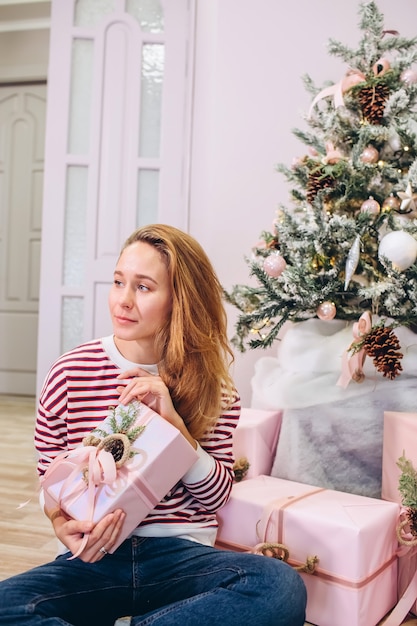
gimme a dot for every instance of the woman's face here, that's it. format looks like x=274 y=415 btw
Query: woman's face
x=140 y=297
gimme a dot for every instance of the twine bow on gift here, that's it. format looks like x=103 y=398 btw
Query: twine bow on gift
x=265 y=528
x=281 y=552
x=352 y=366
x=406 y=534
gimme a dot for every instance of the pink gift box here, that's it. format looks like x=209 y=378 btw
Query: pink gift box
x=354 y=538
x=163 y=456
x=407 y=566
x=400 y=437
x=256 y=438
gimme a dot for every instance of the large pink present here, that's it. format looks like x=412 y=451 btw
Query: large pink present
x=255 y=438
x=354 y=538
x=400 y=437
x=114 y=472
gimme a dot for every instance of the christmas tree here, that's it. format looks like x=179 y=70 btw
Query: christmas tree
x=347 y=242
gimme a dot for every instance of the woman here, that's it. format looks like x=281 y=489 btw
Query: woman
x=169 y=349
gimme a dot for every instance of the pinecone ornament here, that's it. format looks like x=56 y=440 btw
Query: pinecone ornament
x=117 y=432
x=382 y=345
x=241 y=468
x=372 y=101
x=317 y=181
x=412 y=520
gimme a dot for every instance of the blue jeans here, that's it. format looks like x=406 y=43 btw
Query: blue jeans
x=158 y=581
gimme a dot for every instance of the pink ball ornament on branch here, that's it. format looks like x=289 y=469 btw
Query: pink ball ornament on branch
x=409 y=76
x=274 y=265
x=326 y=311
x=370 y=206
x=370 y=155
x=392 y=203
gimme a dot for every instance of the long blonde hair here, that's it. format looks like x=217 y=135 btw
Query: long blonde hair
x=195 y=354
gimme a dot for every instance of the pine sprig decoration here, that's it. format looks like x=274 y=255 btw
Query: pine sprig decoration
x=118 y=432
x=120 y=421
x=407 y=483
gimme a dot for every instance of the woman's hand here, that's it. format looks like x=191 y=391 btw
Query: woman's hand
x=101 y=536
x=149 y=389
x=152 y=391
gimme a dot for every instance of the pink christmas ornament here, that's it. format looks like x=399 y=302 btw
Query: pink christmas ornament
x=381 y=66
x=297 y=162
x=274 y=265
x=392 y=203
x=333 y=155
x=370 y=155
x=370 y=206
x=409 y=76
x=326 y=311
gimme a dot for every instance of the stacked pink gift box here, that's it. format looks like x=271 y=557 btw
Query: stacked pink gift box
x=361 y=571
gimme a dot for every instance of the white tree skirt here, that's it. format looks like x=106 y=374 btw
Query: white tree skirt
x=330 y=436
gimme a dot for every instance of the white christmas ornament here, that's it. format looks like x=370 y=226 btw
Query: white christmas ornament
x=400 y=248
x=408 y=204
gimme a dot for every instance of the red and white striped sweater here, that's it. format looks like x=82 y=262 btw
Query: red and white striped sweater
x=76 y=396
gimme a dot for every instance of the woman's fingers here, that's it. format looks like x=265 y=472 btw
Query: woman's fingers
x=103 y=537
x=133 y=373
x=143 y=388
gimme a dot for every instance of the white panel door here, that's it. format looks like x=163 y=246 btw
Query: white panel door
x=119 y=85
x=22 y=131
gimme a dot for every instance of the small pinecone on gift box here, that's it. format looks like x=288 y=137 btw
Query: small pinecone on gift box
x=412 y=519
x=372 y=101
x=241 y=468
x=317 y=180
x=382 y=345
